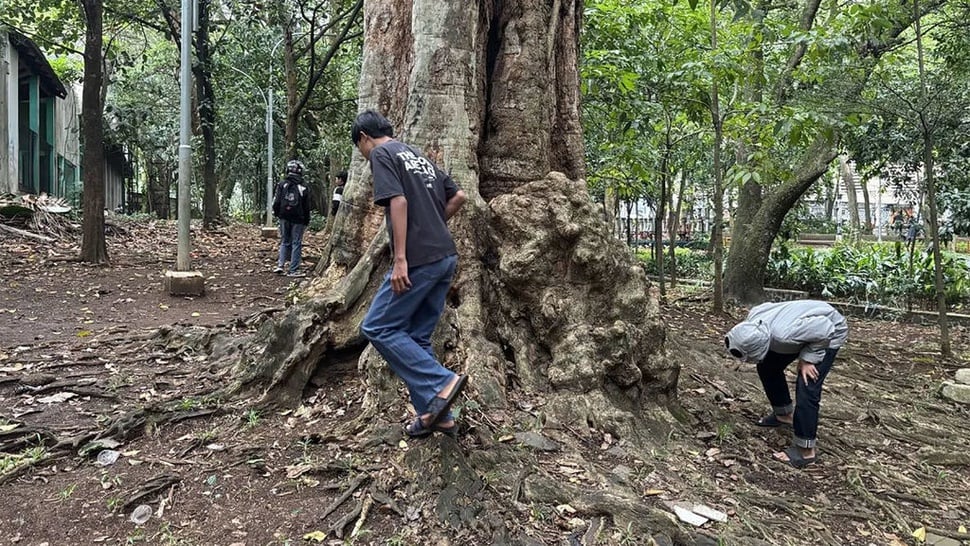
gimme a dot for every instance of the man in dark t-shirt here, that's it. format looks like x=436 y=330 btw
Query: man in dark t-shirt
x=418 y=199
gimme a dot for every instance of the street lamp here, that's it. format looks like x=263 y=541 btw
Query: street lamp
x=268 y=99
x=269 y=133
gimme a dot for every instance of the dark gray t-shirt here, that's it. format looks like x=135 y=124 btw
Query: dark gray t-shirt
x=399 y=169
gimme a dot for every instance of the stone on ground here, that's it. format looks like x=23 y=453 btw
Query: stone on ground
x=184 y=283
x=956 y=392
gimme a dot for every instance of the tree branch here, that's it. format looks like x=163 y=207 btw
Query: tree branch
x=331 y=52
x=805 y=24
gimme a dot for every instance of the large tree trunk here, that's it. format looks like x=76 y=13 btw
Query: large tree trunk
x=547 y=311
x=758 y=219
x=93 y=246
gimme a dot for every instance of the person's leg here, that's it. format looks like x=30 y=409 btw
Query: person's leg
x=771 y=371
x=426 y=316
x=808 y=397
x=296 y=246
x=386 y=327
x=286 y=231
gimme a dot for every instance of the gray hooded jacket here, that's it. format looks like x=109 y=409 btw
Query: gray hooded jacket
x=806 y=327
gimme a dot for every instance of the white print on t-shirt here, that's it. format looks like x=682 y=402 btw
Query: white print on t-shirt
x=419 y=166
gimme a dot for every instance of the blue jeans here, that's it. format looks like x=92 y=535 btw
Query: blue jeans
x=291 y=244
x=808 y=397
x=400 y=327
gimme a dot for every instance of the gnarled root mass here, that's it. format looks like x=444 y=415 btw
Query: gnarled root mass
x=554 y=321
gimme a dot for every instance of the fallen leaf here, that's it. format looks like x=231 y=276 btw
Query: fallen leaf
x=920 y=534
x=316 y=536
x=56 y=398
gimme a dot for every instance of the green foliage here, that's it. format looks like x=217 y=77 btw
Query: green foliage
x=691 y=264
x=317 y=222
x=868 y=273
x=68 y=69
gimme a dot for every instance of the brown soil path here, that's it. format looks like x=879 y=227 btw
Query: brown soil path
x=78 y=349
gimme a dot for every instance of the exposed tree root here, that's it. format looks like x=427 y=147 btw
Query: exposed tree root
x=151 y=488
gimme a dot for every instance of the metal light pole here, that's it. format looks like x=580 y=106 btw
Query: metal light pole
x=269 y=136
x=183 y=262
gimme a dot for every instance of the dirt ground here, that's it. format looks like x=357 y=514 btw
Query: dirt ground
x=79 y=346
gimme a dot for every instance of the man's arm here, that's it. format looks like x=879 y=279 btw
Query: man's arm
x=400 y=282
x=453 y=204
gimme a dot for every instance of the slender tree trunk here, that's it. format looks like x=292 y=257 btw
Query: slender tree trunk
x=658 y=234
x=93 y=246
x=159 y=187
x=831 y=194
x=674 y=226
x=848 y=178
x=290 y=130
x=934 y=226
x=866 y=206
x=928 y=127
x=202 y=69
x=717 y=223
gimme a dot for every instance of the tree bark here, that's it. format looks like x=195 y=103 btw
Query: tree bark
x=547 y=306
x=93 y=246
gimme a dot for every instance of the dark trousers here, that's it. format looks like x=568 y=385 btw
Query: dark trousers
x=771 y=370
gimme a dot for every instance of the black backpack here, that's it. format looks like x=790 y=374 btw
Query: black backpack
x=289 y=199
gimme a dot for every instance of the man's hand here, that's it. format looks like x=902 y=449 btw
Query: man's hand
x=808 y=371
x=400 y=283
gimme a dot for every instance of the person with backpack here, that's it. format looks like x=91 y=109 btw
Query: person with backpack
x=774 y=335
x=291 y=206
x=418 y=199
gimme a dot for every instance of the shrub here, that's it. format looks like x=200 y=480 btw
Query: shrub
x=869 y=273
x=692 y=264
x=317 y=222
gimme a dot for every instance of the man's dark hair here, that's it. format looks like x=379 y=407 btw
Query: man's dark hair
x=342 y=176
x=373 y=124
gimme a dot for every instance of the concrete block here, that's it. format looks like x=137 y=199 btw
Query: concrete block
x=184 y=283
x=269 y=232
x=963 y=376
x=956 y=392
